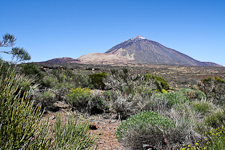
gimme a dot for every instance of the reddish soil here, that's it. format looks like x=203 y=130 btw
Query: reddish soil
x=106 y=131
x=104 y=128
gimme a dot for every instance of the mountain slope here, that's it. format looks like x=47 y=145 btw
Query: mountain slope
x=141 y=50
x=138 y=50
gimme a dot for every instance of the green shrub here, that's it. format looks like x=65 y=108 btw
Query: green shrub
x=219 y=80
x=57 y=72
x=182 y=96
x=143 y=121
x=129 y=89
x=21 y=126
x=176 y=97
x=63 y=86
x=97 y=80
x=192 y=94
x=214 y=89
x=31 y=69
x=216 y=139
x=78 y=97
x=206 y=80
x=97 y=105
x=162 y=81
x=144 y=91
x=61 y=78
x=215 y=119
x=19 y=119
x=147 y=76
x=125 y=70
x=159 y=81
x=49 y=81
x=107 y=95
x=74 y=134
x=212 y=128
x=47 y=99
x=4 y=67
x=202 y=106
x=69 y=72
x=81 y=80
x=113 y=71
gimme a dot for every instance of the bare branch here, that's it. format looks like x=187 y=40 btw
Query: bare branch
x=164 y=137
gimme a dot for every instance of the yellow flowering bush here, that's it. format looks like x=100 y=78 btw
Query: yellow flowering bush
x=78 y=97
x=215 y=141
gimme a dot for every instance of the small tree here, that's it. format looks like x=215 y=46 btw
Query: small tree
x=19 y=53
x=8 y=40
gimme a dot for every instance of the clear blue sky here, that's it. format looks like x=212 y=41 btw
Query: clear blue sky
x=50 y=29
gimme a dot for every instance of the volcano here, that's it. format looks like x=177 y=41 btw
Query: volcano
x=142 y=51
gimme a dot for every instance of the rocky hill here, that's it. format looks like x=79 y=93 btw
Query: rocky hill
x=60 y=60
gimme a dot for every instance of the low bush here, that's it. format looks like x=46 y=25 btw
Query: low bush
x=79 y=97
x=97 y=80
x=114 y=71
x=97 y=105
x=216 y=139
x=28 y=85
x=107 y=95
x=74 y=134
x=169 y=99
x=165 y=101
x=215 y=119
x=143 y=121
x=81 y=80
x=47 y=99
x=162 y=81
x=159 y=81
x=21 y=126
x=157 y=103
x=19 y=120
x=62 y=87
x=192 y=94
x=175 y=98
x=49 y=81
x=145 y=91
x=212 y=128
x=122 y=105
x=202 y=106
x=147 y=127
x=5 y=66
x=31 y=70
x=214 y=89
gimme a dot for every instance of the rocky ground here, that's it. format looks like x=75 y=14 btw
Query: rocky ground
x=102 y=125
x=176 y=76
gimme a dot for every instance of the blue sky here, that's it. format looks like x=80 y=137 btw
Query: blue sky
x=50 y=29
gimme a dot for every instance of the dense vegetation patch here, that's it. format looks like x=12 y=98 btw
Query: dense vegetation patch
x=143 y=121
x=20 y=126
x=97 y=80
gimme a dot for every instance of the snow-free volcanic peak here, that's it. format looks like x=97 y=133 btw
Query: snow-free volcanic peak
x=142 y=51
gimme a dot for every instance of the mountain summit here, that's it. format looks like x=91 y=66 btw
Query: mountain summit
x=143 y=51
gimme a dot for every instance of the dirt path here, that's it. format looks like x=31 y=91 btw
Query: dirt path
x=106 y=130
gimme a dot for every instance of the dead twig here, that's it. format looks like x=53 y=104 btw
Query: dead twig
x=164 y=137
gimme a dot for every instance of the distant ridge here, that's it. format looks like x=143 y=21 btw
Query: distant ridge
x=138 y=50
x=61 y=60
